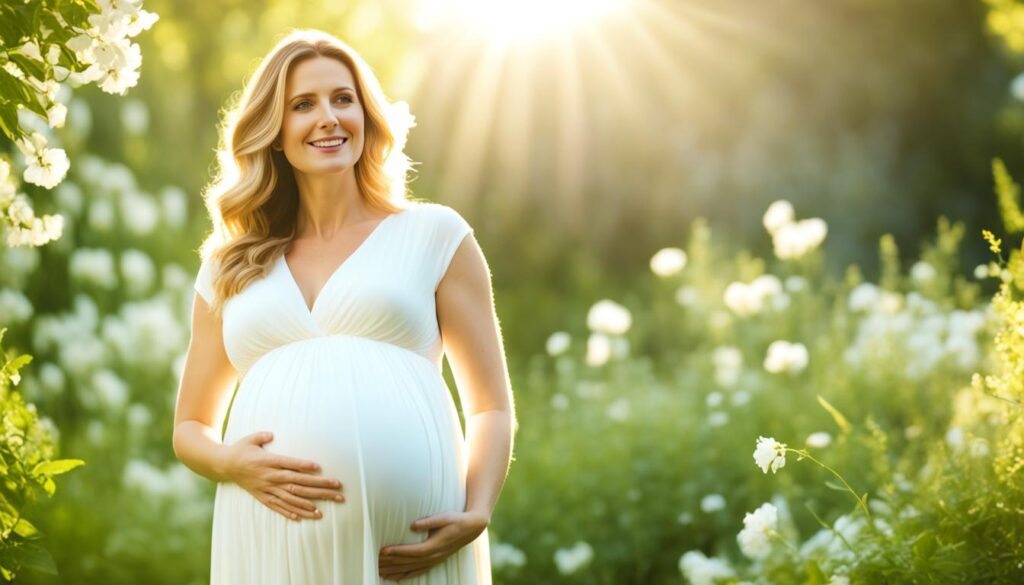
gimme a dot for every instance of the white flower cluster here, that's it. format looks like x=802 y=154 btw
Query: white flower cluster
x=14 y=306
x=45 y=167
x=916 y=329
x=73 y=337
x=112 y=61
x=758 y=528
x=569 y=560
x=728 y=361
x=177 y=482
x=784 y=356
x=506 y=555
x=145 y=333
x=106 y=47
x=608 y=321
x=792 y=239
x=701 y=570
x=668 y=261
x=19 y=220
x=749 y=299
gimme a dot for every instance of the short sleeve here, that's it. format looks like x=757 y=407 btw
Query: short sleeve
x=204 y=280
x=449 y=230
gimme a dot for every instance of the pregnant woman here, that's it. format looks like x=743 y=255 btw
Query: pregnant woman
x=330 y=298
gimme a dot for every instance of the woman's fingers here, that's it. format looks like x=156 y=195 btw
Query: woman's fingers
x=293 y=502
x=317 y=481
x=295 y=464
x=275 y=504
x=315 y=493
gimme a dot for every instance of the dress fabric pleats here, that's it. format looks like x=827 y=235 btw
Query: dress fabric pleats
x=354 y=384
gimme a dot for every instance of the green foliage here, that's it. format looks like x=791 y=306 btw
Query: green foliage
x=1008 y=194
x=47 y=23
x=27 y=468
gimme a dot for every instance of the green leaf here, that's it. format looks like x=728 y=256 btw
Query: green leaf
x=835 y=486
x=9 y=121
x=29 y=66
x=25 y=529
x=925 y=545
x=836 y=415
x=815 y=576
x=57 y=467
x=36 y=557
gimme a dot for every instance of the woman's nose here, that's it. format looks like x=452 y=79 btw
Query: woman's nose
x=327 y=118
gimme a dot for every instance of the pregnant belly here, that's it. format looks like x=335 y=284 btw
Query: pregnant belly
x=377 y=417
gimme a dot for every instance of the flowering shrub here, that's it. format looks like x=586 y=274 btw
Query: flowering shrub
x=43 y=44
x=642 y=430
x=28 y=467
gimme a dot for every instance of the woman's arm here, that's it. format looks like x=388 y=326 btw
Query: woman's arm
x=472 y=341
x=204 y=394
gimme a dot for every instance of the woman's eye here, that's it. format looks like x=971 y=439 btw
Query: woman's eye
x=347 y=99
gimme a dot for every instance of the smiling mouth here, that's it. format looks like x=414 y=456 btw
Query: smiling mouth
x=329 y=144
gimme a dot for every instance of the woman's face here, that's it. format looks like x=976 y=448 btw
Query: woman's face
x=321 y=103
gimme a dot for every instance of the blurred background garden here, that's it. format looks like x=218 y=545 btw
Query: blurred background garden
x=712 y=227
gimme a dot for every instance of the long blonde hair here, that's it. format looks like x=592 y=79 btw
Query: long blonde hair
x=253 y=200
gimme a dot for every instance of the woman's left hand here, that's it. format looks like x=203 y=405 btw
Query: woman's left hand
x=449 y=532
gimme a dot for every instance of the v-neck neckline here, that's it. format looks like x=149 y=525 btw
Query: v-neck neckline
x=310 y=310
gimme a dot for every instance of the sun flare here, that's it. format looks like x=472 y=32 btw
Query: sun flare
x=504 y=21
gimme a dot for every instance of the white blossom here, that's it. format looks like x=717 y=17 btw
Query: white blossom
x=112 y=391
x=139 y=213
x=569 y=560
x=718 y=419
x=712 y=503
x=796 y=240
x=727 y=360
x=784 y=356
x=668 y=261
x=770 y=453
x=14 y=306
x=101 y=215
x=758 y=527
x=740 y=398
x=175 y=206
x=922 y=271
x=713 y=399
x=687 y=295
x=52 y=377
x=557 y=343
x=506 y=555
x=609 y=317
x=819 y=440
x=45 y=167
x=138 y=270
x=56 y=115
x=701 y=570
x=778 y=215
x=93 y=266
x=139 y=416
x=599 y=349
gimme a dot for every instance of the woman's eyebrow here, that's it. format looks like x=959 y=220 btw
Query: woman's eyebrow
x=310 y=94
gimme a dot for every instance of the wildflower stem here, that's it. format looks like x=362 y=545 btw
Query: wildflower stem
x=860 y=501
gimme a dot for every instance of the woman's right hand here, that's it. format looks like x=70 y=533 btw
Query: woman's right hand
x=283 y=484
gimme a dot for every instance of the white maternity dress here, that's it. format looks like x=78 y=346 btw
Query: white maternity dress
x=354 y=384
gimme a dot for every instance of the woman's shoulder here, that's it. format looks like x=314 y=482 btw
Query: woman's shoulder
x=437 y=215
